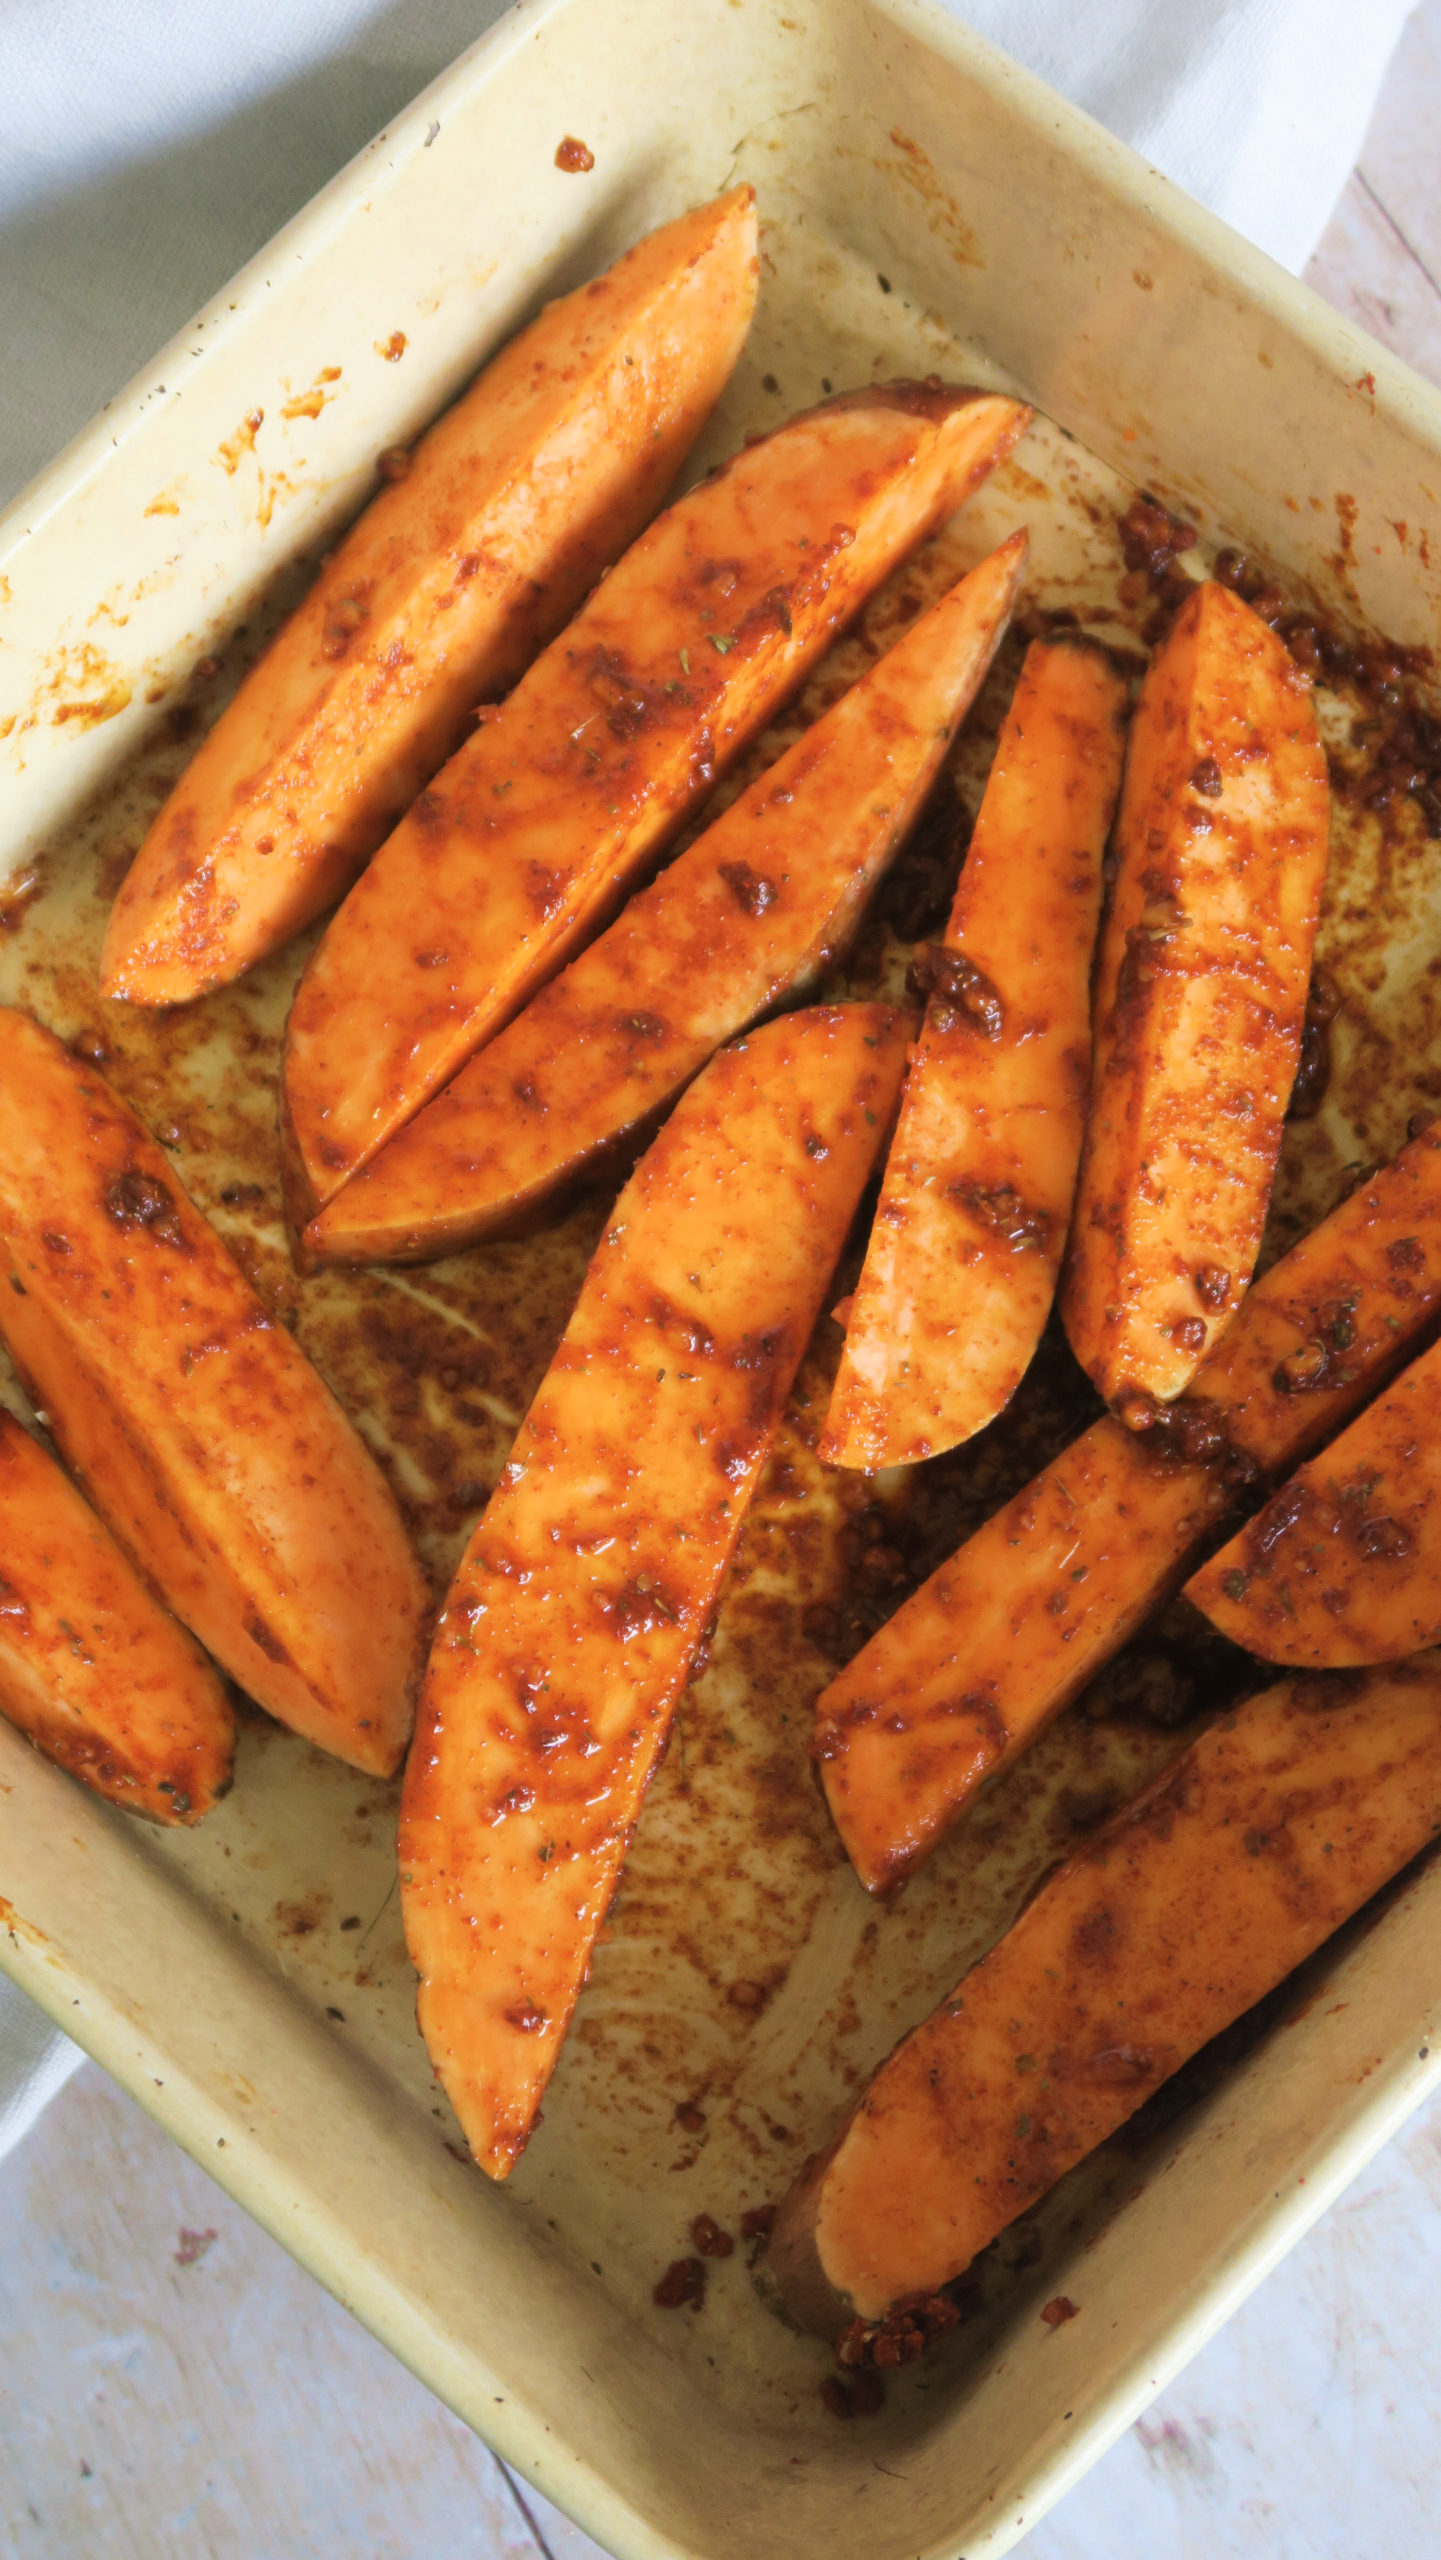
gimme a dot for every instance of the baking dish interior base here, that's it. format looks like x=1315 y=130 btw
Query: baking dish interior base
x=249 y=1980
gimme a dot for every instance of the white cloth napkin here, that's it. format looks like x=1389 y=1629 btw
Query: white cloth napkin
x=148 y=147
x=1259 y=107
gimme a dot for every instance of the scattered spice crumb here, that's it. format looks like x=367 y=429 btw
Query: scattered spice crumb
x=1059 y=2308
x=902 y=2337
x=193 y=2246
x=709 y=2238
x=683 y=2282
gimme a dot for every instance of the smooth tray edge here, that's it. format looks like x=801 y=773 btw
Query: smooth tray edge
x=295 y=2211
x=1414 y=407
x=1119 y=169
x=236 y=301
x=1396 y=391
x=1116 y=166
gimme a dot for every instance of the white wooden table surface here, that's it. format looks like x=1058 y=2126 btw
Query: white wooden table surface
x=173 y=2387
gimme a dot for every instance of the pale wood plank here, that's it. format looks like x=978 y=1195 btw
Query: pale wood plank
x=1380 y=258
x=1364 y=268
x=174 y=2387
x=1401 y=156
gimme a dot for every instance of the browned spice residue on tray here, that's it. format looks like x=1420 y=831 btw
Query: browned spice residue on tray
x=744 y=1988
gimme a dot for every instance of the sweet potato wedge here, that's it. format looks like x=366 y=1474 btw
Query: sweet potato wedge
x=976 y=1199
x=1200 y=996
x=1237 y=1863
x=91 y=1667
x=533 y=832
x=577 y=1608
x=464 y=565
x=1001 y=1638
x=193 y=1422
x=747 y=916
x=1344 y=1564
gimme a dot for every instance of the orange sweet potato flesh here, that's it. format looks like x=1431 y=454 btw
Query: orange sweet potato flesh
x=963 y=1257
x=530 y=836
x=193 y=1421
x=1004 y=1635
x=1184 y=1911
x=91 y=1667
x=1344 y=1564
x=577 y=1608
x=750 y=914
x=439 y=597
x=1200 y=996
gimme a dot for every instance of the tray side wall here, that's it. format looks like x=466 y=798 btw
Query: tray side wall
x=1025 y=229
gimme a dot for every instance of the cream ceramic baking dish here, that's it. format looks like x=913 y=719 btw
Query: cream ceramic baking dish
x=926 y=207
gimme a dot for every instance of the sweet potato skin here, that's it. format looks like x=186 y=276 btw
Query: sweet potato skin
x=1237 y=1863
x=1344 y=1564
x=576 y=1610
x=91 y=1667
x=976 y=1199
x=192 y=1420
x=1004 y=1635
x=970 y=1669
x=1333 y=1319
x=748 y=915
x=533 y=832
x=1200 y=995
x=437 y=599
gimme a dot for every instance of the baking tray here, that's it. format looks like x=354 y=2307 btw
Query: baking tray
x=926 y=206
